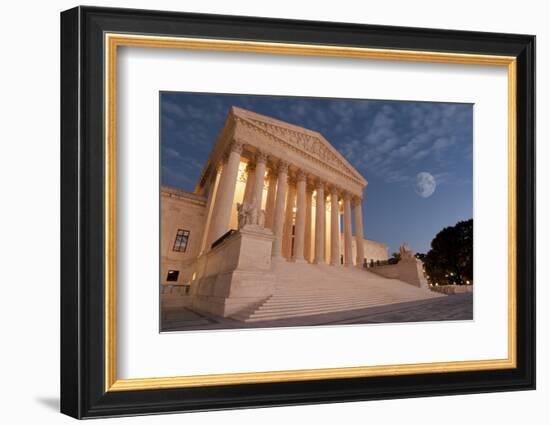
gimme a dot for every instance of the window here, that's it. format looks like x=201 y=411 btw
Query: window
x=182 y=237
x=172 y=275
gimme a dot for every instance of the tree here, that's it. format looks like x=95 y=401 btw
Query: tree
x=450 y=260
x=421 y=256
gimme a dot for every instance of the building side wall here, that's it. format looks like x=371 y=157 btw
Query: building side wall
x=376 y=251
x=180 y=210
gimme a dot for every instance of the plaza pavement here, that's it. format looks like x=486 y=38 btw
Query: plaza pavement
x=452 y=307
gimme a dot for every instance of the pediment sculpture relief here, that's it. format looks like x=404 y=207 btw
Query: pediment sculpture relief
x=306 y=142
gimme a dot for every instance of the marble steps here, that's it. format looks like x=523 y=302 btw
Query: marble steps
x=321 y=307
x=314 y=298
x=330 y=278
x=248 y=311
x=366 y=287
x=274 y=308
x=309 y=290
x=274 y=304
x=285 y=314
x=312 y=294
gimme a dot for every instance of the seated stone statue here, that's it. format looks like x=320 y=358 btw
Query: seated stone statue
x=241 y=215
x=247 y=214
x=405 y=251
x=261 y=218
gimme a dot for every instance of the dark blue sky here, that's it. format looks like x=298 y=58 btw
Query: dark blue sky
x=388 y=142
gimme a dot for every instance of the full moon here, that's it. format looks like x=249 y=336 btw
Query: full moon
x=425 y=184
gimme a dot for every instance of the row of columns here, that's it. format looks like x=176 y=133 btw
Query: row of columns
x=302 y=224
x=279 y=210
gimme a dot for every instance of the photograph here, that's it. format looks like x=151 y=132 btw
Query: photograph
x=262 y=211
x=283 y=211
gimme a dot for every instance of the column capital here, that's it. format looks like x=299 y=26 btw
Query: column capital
x=347 y=196
x=357 y=201
x=282 y=166
x=291 y=179
x=334 y=190
x=301 y=176
x=236 y=147
x=250 y=166
x=272 y=172
x=319 y=184
x=261 y=157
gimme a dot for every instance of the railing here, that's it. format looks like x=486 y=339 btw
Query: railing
x=452 y=289
x=379 y=263
x=175 y=289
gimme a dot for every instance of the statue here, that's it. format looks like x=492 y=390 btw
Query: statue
x=248 y=213
x=261 y=218
x=241 y=215
x=405 y=251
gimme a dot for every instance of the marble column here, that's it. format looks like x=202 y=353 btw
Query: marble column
x=270 y=201
x=289 y=218
x=320 y=214
x=257 y=194
x=360 y=249
x=308 y=251
x=249 y=185
x=299 y=230
x=334 y=228
x=279 y=213
x=212 y=190
x=348 y=258
x=226 y=192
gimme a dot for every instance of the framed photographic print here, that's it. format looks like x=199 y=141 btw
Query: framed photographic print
x=261 y=212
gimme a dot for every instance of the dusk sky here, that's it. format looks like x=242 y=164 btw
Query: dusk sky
x=388 y=142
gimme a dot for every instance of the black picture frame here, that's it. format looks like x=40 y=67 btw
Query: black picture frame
x=83 y=392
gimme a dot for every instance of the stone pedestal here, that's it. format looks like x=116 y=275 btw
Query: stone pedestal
x=408 y=269
x=236 y=274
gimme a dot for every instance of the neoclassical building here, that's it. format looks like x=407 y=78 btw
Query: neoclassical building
x=272 y=197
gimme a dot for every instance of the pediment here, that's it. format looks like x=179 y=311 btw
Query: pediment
x=310 y=142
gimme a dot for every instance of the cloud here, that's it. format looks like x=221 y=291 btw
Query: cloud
x=387 y=144
x=192 y=112
x=389 y=140
x=402 y=136
x=421 y=154
x=442 y=143
x=179 y=170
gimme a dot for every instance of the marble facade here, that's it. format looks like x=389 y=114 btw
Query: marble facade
x=309 y=198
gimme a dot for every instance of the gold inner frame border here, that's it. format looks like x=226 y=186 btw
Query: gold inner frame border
x=111 y=43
